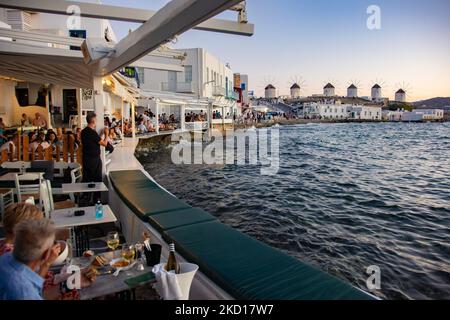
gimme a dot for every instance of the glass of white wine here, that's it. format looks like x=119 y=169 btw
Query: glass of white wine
x=128 y=253
x=112 y=241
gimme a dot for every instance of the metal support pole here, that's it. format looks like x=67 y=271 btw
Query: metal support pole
x=133 y=120
x=157 y=117
x=123 y=121
x=98 y=102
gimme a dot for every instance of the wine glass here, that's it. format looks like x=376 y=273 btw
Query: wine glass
x=112 y=241
x=128 y=253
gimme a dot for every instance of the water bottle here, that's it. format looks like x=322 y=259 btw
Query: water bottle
x=99 y=211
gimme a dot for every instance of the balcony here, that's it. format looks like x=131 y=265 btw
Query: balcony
x=218 y=91
x=178 y=87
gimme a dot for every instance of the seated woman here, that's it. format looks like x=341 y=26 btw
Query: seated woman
x=52 y=139
x=18 y=213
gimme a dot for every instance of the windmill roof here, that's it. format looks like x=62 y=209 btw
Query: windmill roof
x=270 y=86
x=401 y=91
x=295 y=86
x=329 y=86
x=352 y=86
x=376 y=86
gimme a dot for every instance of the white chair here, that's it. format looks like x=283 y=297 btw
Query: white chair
x=6 y=199
x=48 y=202
x=46 y=199
x=24 y=191
x=76 y=175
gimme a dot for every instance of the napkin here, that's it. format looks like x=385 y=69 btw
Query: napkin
x=167 y=284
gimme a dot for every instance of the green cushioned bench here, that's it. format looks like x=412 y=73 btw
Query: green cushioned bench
x=242 y=266
x=248 y=269
x=142 y=195
x=180 y=218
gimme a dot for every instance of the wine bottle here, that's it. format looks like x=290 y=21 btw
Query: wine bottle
x=172 y=264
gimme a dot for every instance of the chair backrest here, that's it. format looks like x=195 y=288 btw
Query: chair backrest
x=76 y=175
x=25 y=185
x=46 y=198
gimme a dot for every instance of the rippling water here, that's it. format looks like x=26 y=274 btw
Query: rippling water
x=347 y=196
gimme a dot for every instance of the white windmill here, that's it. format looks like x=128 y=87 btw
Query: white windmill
x=404 y=92
x=297 y=84
x=352 y=88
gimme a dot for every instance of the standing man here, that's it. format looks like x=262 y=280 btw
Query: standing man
x=91 y=142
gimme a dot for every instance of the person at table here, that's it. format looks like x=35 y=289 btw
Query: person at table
x=10 y=144
x=25 y=121
x=39 y=121
x=91 y=143
x=52 y=139
x=33 y=245
x=15 y=215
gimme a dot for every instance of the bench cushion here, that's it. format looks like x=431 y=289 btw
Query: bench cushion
x=249 y=269
x=179 y=218
x=142 y=195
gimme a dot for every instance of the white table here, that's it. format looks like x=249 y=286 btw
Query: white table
x=83 y=188
x=65 y=218
x=11 y=176
x=108 y=284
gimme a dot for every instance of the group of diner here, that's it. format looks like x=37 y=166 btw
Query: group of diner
x=196 y=117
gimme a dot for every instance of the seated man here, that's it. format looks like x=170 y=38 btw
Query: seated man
x=33 y=242
x=39 y=121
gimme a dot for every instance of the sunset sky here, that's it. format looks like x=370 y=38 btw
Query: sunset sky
x=324 y=41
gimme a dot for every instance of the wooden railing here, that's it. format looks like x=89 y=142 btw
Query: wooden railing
x=65 y=153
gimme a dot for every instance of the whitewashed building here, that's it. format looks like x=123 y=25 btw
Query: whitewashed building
x=201 y=83
x=366 y=112
x=56 y=102
x=332 y=110
x=419 y=115
x=335 y=110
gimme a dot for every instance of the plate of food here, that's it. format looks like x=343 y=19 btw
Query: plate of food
x=121 y=265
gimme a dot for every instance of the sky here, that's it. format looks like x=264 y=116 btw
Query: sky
x=320 y=41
